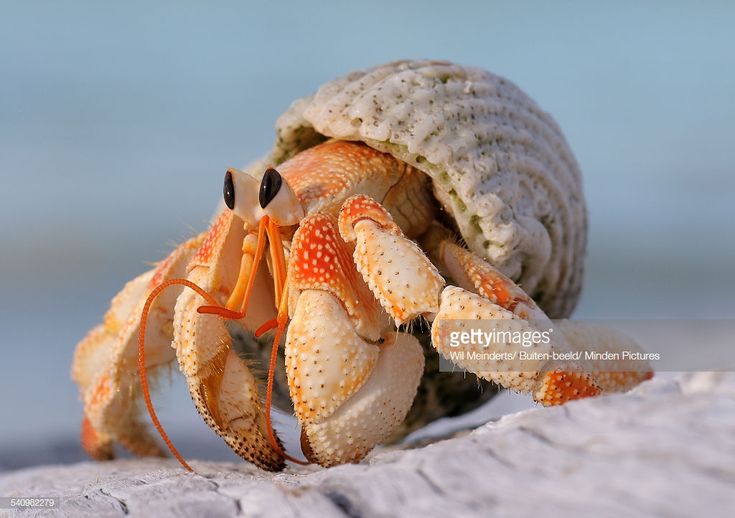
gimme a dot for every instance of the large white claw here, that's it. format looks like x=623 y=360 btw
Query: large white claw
x=326 y=360
x=374 y=411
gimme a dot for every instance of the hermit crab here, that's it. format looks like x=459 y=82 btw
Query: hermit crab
x=396 y=201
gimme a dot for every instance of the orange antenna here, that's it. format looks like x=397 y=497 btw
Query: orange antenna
x=280 y=322
x=142 y=372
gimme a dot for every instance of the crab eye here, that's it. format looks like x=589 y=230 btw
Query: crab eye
x=269 y=186
x=229 y=191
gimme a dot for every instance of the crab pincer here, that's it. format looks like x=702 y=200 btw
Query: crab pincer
x=351 y=380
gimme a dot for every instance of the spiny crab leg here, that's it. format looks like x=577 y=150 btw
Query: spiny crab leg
x=223 y=388
x=104 y=362
x=407 y=285
x=549 y=383
x=487 y=294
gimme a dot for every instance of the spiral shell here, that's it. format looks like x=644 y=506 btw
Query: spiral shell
x=500 y=165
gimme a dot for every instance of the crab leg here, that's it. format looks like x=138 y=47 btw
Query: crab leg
x=398 y=273
x=487 y=294
x=618 y=377
x=549 y=383
x=349 y=390
x=408 y=285
x=224 y=390
x=104 y=362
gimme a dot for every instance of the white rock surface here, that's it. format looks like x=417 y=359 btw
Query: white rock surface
x=666 y=448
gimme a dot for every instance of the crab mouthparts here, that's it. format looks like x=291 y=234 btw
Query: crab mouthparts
x=250 y=261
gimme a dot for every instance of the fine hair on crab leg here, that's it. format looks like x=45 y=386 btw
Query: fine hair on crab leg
x=549 y=383
x=486 y=294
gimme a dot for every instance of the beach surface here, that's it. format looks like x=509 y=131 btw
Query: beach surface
x=665 y=448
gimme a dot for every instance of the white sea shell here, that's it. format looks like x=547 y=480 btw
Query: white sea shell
x=500 y=165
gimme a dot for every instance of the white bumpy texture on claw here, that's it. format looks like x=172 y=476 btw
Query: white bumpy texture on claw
x=105 y=361
x=458 y=309
x=326 y=360
x=373 y=412
x=397 y=271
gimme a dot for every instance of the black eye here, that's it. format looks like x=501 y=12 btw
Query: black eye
x=229 y=191
x=269 y=186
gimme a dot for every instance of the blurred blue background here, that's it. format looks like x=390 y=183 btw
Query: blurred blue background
x=118 y=120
